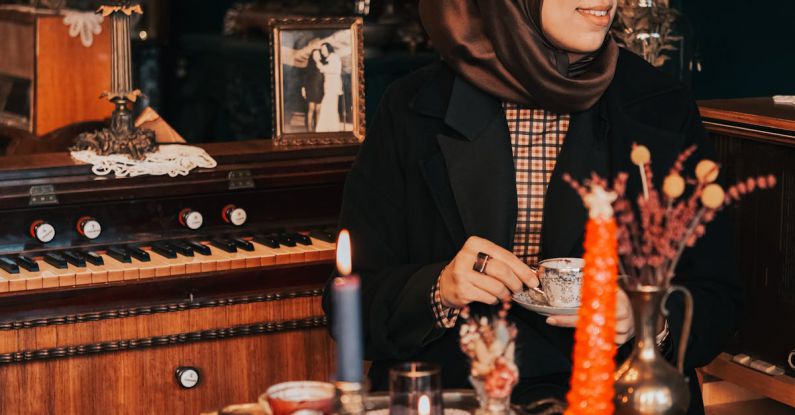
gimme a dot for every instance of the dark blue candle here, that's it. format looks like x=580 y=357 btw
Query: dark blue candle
x=347 y=318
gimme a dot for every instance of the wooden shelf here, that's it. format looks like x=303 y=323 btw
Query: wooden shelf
x=780 y=388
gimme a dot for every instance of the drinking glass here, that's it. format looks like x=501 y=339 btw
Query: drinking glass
x=415 y=388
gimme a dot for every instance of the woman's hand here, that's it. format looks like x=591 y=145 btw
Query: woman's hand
x=504 y=273
x=625 y=323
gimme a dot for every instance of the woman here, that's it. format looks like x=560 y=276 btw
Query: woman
x=467 y=156
x=312 y=90
x=331 y=67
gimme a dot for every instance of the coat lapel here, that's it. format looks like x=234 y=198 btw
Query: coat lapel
x=476 y=157
x=584 y=151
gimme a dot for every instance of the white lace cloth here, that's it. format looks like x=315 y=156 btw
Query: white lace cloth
x=171 y=159
x=83 y=24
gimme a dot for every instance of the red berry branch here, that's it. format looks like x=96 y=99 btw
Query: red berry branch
x=653 y=234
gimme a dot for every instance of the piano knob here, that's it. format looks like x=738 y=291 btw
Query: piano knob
x=89 y=227
x=42 y=231
x=191 y=219
x=234 y=215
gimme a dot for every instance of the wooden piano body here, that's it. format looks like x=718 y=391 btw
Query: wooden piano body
x=754 y=136
x=109 y=339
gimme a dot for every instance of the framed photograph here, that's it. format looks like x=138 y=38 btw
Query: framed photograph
x=318 y=80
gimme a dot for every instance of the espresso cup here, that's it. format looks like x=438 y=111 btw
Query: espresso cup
x=791 y=359
x=561 y=279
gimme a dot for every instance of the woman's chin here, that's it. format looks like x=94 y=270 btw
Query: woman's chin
x=583 y=45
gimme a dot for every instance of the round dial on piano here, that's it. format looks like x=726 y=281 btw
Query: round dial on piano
x=89 y=227
x=42 y=231
x=191 y=219
x=234 y=215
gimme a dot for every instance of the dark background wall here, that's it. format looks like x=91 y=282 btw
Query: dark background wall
x=217 y=87
x=747 y=48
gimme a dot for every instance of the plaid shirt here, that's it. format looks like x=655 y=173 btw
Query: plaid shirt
x=536 y=139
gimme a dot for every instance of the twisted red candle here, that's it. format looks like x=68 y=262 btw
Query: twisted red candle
x=594 y=339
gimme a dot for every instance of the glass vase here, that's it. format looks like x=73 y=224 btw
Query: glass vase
x=489 y=405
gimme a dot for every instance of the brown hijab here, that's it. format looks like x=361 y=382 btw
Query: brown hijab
x=499 y=46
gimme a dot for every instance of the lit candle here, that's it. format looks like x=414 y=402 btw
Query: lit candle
x=347 y=320
x=424 y=405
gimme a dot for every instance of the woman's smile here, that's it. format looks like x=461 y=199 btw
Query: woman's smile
x=597 y=15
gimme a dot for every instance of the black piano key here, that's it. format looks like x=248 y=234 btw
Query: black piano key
x=92 y=257
x=9 y=266
x=286 y=239
x=271 y=241
x=302 y=239
x=119 y=254
x=74 y=259
x=138 y=253
x=164 y=249
x=224 y=245
x=28 y=263
x=323 y=235
x=199 y=247
x=182 y=248
x=243 y=244
x=56 y=260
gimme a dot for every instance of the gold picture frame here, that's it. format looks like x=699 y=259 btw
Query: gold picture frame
x=317 y=73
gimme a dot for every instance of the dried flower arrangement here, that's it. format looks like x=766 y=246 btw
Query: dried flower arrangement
x=651 y=241
x=647 y=29
x=490 y=345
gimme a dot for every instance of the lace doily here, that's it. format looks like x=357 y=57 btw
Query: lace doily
x=172 y=159
x=83 y=24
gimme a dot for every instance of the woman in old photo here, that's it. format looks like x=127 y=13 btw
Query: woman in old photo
x=331 y=67
x=312 y=90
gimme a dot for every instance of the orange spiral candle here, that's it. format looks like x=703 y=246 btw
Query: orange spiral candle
x=594 y=339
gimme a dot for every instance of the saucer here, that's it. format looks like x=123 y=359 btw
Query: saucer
x=526 y=300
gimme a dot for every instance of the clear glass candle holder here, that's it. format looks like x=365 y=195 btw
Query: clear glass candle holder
x=415 y=388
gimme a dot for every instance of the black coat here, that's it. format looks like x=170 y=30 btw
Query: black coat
x=437 y=167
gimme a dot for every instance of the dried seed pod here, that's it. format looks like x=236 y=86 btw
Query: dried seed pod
x=742 y=188
x=640 y=155
x=751 y=184
x=673 y=186
x=707 y=171
x=713 y=196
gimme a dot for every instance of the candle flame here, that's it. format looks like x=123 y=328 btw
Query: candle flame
x=424 y=406
x=344 y=253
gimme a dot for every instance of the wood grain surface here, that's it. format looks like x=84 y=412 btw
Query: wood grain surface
x=69 y=76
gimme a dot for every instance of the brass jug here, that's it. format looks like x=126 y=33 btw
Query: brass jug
x=646 y=383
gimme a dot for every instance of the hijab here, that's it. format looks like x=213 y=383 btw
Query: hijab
x=499 y=46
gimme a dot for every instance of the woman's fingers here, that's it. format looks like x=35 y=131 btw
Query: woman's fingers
x=477 y=295
x=563 y=321
x=519 y=268
x=489 y=284
x=624 y=327
x=499 y=270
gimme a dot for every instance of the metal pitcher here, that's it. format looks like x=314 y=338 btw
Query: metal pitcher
x=646 y=383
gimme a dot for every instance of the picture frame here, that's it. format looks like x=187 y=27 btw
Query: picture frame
x=317 y=74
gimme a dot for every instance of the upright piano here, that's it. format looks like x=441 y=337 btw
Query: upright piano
x=755 y=136
x=165 y=295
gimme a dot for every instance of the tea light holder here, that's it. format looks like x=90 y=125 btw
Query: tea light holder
x=415 y=388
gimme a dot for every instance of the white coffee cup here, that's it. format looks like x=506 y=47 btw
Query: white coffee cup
x=561 y=281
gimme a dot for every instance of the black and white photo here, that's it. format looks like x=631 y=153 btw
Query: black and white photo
x=317 y=85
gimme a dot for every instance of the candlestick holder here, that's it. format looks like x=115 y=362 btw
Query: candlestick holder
x=122 y=137
x=350 y=398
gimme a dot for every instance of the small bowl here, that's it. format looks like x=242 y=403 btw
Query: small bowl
x=289 y=397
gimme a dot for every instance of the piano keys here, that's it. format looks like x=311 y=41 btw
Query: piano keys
x=160 y=259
